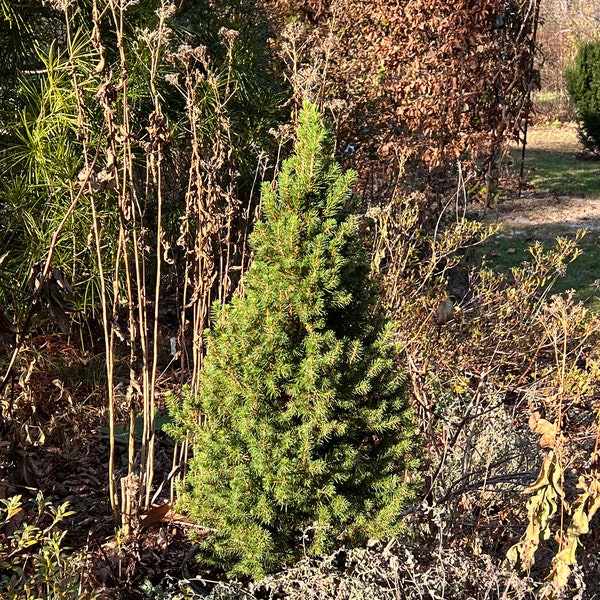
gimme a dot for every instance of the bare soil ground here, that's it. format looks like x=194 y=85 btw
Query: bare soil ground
x=548 y=212
x=553 y=214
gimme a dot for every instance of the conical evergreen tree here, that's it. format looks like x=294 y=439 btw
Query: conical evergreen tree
x=301 y=431
x=583 y=85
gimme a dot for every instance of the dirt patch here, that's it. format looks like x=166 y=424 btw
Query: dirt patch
x=549 y=213
x=564 y=139
x=563 y=212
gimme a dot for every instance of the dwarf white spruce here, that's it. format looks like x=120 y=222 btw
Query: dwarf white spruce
x=301 y=429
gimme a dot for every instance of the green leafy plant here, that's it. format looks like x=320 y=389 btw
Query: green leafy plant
x=583 y=85
x=34 y=563
x=302 y=434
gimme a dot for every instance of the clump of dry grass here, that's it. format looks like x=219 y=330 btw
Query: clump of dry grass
x=389 y=572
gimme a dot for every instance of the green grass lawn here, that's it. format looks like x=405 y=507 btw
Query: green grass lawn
x=509 y=248
x=552 y=168
x=552 y=165
x=561 y=174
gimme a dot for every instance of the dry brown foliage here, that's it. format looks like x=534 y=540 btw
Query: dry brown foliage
x=425 y=80
x=505 y=385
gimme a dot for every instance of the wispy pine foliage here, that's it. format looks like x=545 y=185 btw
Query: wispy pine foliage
x=302 y=433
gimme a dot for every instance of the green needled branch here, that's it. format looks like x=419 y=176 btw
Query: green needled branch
x=45 y=271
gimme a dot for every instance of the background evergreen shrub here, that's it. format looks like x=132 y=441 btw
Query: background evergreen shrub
x=302 y=434
x=583 y=84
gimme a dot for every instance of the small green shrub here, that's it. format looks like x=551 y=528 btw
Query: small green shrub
x=302 y=434
x=34 y=563
x=583 y=84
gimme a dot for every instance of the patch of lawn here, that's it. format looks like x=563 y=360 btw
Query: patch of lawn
x=562 y=174
x=550 y=97
x=552 y=165
x=509 y=248
x=551 y=106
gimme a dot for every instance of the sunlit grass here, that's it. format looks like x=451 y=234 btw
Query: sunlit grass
x=509 y=248
x=553 y=167
x=553 y=163
x=562 y=174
